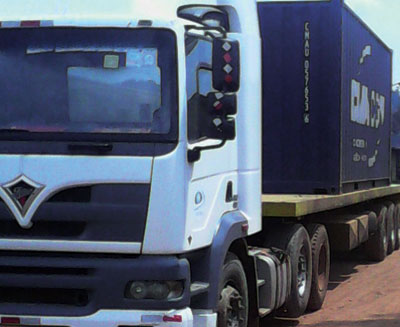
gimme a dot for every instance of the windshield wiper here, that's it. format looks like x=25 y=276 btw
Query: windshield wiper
x=92 y=147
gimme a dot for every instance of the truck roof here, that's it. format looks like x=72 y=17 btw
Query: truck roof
x=297 y=205
x=87 y=10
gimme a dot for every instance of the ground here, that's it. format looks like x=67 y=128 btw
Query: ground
x=361 y=294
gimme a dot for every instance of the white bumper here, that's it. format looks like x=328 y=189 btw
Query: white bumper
x=117 y=318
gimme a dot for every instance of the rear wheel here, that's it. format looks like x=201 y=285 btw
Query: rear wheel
x=390 y=230
x=233 y=294
x=397 y=226
x=299 y=250
x=376 y=247
x=320 y=265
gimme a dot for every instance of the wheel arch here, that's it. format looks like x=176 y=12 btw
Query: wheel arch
x=229 y=237
x=240 y=248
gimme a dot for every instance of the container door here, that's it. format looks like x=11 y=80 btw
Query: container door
x=366 y=102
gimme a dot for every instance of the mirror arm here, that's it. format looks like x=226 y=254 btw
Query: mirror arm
x=220 y=29
x=194 y=154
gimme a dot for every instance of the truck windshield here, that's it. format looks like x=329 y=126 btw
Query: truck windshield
x=88 y=81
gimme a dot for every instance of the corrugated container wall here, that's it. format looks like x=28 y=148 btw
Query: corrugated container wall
x=326 y=99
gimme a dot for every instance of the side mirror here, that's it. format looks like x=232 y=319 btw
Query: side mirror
x=223 y=129
x=226 y=65
x=209 y=117
x=222 y=104
x=221 y=126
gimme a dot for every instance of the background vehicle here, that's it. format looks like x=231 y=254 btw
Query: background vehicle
x=395 y=133
x=146 y=149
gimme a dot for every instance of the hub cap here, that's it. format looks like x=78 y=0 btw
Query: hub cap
x=302 y=273
x=322 y=268
x=230 y=308
x=385 y=235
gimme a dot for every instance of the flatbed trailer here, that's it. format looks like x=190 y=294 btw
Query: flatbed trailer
x=370 y=217
x=335 y=223
x=297 y=206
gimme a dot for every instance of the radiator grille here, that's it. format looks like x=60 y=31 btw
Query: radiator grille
x=102 y=213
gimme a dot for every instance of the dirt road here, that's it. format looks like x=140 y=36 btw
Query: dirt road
x=361 y=294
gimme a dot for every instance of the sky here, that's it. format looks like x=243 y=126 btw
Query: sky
x=383 y=16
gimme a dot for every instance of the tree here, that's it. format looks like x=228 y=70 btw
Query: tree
x=396 y=110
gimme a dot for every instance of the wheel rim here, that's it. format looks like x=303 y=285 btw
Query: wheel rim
x=302 y=273
x=390 y=232
x=392 y=235
x=322 y=261
x=385 y=234
x=398 y=231
x=230 y=308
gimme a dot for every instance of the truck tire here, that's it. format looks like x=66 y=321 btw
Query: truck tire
x=376 y=246
x=299 y=249
x=320 y=265
x=397 y=226
x=391 y=236
x=390 y=230
x=233 y=307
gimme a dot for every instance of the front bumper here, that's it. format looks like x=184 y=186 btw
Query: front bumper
x=45 y=285
x=118 y=318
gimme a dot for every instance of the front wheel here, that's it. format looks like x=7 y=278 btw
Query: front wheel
x=233 y=295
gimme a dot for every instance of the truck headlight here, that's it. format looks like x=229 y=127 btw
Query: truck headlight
x=154 y=290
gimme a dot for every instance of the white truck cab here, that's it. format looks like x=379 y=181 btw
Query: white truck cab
x=119 y=155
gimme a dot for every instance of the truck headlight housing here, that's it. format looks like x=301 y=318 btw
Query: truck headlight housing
x=154 y=290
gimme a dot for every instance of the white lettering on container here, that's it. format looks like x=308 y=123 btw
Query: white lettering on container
x=367 y=108
x=307 y=53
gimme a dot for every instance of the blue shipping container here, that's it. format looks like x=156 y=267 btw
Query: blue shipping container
x=326 y=99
